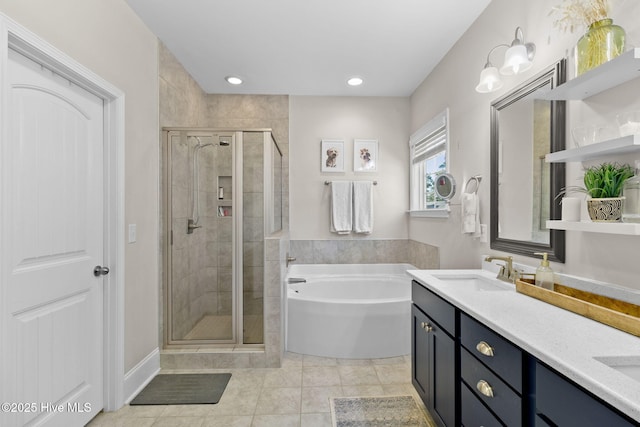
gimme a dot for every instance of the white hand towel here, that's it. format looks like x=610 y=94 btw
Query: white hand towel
x=470 y=213
x=363 y=207
x=341 y=207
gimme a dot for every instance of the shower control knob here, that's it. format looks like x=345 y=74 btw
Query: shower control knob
x=100 y=271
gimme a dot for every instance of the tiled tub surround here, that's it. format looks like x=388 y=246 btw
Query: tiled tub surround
x=365 y=251
x=571 y=344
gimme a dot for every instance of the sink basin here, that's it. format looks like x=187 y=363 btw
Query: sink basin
x=627 y=365
x=479 y=283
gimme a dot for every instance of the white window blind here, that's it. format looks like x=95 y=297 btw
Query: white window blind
x=431 y=145
x=429 y=155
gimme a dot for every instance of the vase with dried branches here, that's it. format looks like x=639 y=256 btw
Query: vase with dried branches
x=603 y=40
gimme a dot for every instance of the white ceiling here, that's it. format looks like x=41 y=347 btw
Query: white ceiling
x=309 y=47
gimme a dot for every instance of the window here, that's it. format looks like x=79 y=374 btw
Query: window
x=429 y=147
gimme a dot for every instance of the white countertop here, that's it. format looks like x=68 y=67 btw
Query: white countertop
x=563 y=340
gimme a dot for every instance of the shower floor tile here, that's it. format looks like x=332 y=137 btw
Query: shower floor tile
x=219 y=327
x=211 y=327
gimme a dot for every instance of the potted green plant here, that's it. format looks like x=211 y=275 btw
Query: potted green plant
x=603 y=184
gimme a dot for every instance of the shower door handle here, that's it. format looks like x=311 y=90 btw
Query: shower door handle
x=100 y=271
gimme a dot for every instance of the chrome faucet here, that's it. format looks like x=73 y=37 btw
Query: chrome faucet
x=507 y=273
x=290 y=259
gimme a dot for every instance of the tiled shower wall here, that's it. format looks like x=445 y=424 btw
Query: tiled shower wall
x=184 y=104
x=365 y=251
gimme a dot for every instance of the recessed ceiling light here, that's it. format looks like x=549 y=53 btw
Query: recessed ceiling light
x=355 y=81
x=233 y=80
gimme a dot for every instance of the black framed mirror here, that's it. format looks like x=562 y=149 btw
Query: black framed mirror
x=524 y=127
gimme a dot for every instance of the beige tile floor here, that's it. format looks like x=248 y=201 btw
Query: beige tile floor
x=296 y=395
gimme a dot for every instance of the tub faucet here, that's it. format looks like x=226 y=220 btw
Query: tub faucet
x=507 y=273
x=290 y=259
x=296 y=280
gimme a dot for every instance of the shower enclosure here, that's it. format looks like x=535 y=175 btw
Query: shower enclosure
x=222 y=196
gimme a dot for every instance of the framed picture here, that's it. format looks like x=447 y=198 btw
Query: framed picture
x=332 y=155
x=365 y=155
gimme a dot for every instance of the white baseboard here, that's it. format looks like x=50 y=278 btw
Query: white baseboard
x=141 y=374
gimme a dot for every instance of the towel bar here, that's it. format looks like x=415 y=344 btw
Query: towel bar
x=477 y=179
x=329 y=183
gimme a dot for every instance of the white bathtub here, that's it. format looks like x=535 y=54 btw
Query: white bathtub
x=352 y=311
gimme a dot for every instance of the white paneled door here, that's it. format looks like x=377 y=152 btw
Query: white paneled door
x=53 y=231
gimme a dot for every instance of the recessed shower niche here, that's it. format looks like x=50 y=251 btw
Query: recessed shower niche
x=218 y=206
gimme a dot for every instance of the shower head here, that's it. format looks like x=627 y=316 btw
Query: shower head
x=200 y=145
x=224 y=141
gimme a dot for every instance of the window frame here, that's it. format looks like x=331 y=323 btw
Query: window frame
x=417 y=180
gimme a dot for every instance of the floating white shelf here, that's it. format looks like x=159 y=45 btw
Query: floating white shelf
x=624 y=145
x=631 y=229
x=606 y=76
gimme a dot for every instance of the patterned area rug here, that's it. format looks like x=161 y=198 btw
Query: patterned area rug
x=388 y=411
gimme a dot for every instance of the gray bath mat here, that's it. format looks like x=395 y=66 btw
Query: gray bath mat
x=388 y=411
x=183 y=389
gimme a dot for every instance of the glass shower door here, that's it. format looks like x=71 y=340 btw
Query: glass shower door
x=253 y=237
x=201 y=298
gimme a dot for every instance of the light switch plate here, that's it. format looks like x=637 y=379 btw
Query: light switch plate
x=132 y=233
x=483 y=233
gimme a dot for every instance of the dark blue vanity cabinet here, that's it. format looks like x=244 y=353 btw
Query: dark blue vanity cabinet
x=492 y=372
x=468 y=375
x=560 y=402
x=434 y=354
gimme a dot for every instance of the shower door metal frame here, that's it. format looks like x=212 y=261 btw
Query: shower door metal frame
x=236 y=204
x=237 y=239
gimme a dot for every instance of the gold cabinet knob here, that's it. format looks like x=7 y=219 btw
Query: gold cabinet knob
x=427 y=327
x=484 y=388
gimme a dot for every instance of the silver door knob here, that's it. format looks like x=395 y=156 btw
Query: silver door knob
x=100 y=271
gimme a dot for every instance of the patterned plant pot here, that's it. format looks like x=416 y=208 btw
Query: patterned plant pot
x=605 y=210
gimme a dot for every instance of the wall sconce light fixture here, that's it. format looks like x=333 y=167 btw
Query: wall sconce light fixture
x=517 y=58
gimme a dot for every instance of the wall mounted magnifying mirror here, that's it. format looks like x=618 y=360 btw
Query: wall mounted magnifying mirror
x=525 y=127
x=445 y=186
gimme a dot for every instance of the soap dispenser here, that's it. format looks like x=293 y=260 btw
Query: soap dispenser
x=544 y=273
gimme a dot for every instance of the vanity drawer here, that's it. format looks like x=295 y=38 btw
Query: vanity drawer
x=474 y=413
x=443 y=313
x=564 y=403
x=541 y=422
x=503 y=401
x=500 y=355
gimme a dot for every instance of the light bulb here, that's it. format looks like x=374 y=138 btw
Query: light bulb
x=515 y=60
x=489 y=80
x=233 y=80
